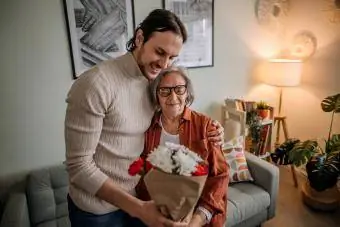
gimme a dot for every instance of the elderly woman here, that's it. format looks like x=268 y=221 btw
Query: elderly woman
x=175 y=122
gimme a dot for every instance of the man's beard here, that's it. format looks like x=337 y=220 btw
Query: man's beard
x=140 y=63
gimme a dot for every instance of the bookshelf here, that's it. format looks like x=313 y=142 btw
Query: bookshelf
x=234 y=118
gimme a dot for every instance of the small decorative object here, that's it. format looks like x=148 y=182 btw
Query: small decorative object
x=271 y=13
x=333 y=9
x=303 y=45
x=98 y=30
x=198 y=17
x=263 y=109
x=173 y=174
x=323 y=163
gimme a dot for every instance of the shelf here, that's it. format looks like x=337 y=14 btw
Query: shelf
x=264 y=156
x=267 y=122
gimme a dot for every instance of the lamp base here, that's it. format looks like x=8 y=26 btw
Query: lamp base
x=278 y=121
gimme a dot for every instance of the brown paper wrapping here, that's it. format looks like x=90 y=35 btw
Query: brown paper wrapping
x=175 y=195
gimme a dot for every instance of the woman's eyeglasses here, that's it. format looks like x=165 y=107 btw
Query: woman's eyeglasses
x=166 y=91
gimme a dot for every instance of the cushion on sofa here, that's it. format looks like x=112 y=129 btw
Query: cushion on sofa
x=244 y=201
x=60 y=222
x=47 y=194
x=234 y=154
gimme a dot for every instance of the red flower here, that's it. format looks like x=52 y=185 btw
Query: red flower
x=136 y=167
x=201 y=170
x=148 y=166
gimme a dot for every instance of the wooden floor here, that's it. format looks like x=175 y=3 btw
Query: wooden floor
x=291 y=212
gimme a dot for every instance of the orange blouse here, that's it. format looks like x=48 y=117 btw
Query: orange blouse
x=193 y=134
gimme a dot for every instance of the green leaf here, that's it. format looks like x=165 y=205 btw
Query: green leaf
x=332 y=163
x=302 y=152
x=331 y=103
x=333 y=144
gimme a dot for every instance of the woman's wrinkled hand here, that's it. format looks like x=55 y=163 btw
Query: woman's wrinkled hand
x=196 y=221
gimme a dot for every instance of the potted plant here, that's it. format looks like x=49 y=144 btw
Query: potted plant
x=262 y=109
x=323 y=162
x=253 y=122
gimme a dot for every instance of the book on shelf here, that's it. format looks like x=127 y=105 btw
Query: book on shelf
x=240 y=104
x=263 y=144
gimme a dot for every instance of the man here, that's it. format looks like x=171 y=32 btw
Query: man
x=107 y=114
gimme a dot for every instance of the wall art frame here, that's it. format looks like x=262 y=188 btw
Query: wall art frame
x=97 y=30
x=198 y=18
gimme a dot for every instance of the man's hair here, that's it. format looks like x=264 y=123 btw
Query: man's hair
x=159 y=20
x=154 y=85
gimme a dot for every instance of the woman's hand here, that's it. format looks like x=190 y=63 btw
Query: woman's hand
x=197 y=220
x=216 y=135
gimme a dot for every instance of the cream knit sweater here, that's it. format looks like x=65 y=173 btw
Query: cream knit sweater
x=107 y=114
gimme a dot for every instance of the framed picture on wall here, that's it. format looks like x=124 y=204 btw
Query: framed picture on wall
x=198 y=17
x=98 y=30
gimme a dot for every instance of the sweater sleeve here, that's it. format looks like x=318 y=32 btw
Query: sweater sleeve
x=87 y=102
x=214 y=195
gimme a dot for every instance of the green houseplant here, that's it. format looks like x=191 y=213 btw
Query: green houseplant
x=262 y=109
x=323 y=162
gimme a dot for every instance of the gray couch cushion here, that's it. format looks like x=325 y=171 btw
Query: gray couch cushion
x=244 y=201
x=60 y=222
x=47 y=194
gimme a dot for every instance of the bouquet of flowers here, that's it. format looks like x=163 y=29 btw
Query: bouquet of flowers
x=175 y=177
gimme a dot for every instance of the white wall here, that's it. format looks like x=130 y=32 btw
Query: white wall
x=321 y=72
x=36 y=75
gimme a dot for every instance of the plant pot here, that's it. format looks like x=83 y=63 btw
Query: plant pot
x=317 y=179
x=263 y=113
x=327 y=200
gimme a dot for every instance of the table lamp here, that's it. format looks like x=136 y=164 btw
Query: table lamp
x=283 y=73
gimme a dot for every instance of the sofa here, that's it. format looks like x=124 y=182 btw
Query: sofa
x=43 y=202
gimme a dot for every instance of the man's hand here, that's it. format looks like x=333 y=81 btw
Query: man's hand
x=151 y=216
x=216 y=135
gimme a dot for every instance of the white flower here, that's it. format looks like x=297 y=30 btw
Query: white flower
x=194 y=156
x=186 y=164
x=161 y=158
x=174 y=158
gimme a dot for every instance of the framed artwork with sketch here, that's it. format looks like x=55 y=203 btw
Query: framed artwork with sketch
x=198 y=18
x=98 y=30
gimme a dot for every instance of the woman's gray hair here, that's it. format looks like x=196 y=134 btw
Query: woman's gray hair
x=154 y=85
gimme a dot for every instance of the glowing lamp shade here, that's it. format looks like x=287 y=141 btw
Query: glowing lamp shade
x=283 y=72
